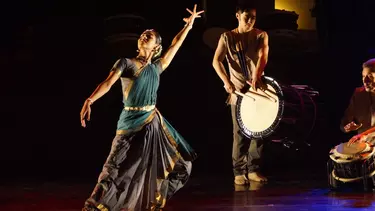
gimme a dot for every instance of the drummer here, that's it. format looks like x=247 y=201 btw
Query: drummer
x=246 y=51
x=360 y=114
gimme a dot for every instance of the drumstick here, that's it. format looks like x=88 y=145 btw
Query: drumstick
x=273 y=99
x=257 y=94
x=272 y=92
x=264 y=91
x=243 y=95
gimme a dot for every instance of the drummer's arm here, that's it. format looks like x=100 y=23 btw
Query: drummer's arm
x=370 y=138
x=218 y=59
x=369 y=131
x=366 y=136
x=263 y=56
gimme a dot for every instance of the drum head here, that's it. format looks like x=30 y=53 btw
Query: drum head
x=355 y=148
x=343 y=153
x=258 y=118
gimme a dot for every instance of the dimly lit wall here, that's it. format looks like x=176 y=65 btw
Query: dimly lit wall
x=302 y=8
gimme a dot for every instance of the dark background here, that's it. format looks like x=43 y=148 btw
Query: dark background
x=54 y=53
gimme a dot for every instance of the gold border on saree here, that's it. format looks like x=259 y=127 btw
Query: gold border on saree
x=144 y=108
x=148 y=120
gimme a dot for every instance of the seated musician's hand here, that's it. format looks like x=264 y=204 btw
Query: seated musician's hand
x=352 y=126
x=357 y=138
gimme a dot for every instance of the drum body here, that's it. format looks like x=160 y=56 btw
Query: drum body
x=352 y=163
x=292 y=115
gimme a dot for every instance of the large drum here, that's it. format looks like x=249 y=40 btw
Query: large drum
x=277 y=112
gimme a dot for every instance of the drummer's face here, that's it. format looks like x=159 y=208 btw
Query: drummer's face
x=368 y=78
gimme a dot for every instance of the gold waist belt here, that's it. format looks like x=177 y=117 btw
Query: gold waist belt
x=144 y=108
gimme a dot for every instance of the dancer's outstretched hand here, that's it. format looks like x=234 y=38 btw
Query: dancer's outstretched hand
x=194 y=14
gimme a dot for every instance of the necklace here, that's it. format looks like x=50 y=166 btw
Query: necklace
x=142 y=60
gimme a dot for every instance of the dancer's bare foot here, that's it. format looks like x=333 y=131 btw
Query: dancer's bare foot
x=257 y=177
x=155 y=208
x=89 y=207
x=241 y=180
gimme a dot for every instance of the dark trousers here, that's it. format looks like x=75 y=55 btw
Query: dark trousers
x=246 y=154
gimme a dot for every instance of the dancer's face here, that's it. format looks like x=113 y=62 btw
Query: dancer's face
x=147 y=40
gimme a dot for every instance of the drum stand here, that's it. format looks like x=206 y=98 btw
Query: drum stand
x=334 y=183
x=290 y=143
x=366 y=176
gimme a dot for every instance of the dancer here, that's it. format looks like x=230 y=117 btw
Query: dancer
x=149 y=160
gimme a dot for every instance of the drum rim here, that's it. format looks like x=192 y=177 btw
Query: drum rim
x=343 y=179
x=343 y=158
x=275 y=124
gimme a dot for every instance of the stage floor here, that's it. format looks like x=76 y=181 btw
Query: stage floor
x=201 y=193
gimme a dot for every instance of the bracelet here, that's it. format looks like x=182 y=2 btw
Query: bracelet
x=189 y=25
x=90 y=100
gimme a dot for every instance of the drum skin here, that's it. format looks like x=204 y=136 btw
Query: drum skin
x=293 y=115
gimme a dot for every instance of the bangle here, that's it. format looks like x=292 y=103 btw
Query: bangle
x=90 y=100
x=188 y=25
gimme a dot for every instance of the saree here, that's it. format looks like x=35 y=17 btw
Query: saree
x=149 y=160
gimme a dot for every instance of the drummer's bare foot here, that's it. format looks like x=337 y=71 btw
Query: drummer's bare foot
x=254 y=186
x=241 y=180
x=257 y=177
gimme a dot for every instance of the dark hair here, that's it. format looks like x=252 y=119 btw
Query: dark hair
x=158 y=41
x=245 y=6
x=370 y=64
x=157 y=35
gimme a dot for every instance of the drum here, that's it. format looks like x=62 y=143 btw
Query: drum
x=277 y=112
x=352 y=163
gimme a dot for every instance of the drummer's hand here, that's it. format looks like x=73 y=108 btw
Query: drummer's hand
x=256 y=83
x=229 y=87
x=352 y=126
x=356 y=139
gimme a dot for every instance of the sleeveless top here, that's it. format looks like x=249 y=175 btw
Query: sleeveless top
x=242 y=56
